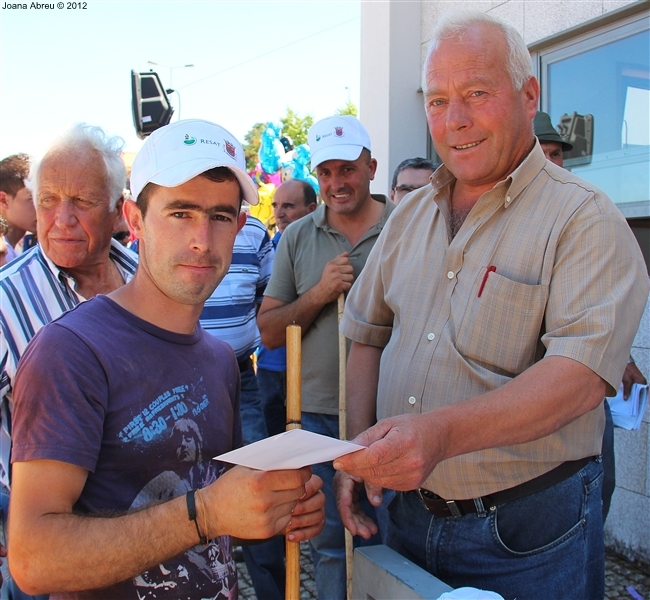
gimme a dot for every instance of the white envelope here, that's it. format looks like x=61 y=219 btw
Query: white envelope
x=289 y=450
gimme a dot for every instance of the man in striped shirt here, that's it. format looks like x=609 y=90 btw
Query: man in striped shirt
x=78 y=189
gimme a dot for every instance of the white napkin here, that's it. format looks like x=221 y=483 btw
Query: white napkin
x=629 y=413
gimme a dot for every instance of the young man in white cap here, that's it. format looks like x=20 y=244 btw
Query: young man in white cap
x=114 y=491
x=317 y=260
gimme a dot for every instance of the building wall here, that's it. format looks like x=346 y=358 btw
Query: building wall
x=627 y=529
x=391 y=107
x=388 y=106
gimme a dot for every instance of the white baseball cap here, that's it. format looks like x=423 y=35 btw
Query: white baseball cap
x=341 y=137
x=176 y=153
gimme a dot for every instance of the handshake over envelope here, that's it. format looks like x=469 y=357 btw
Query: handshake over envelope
x=629 y=413
x=289 y=450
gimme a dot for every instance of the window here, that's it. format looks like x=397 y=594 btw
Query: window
x=604 y=76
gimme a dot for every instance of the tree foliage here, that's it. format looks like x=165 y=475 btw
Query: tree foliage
x=252 y=141
x=296 y=127
x=348 y=109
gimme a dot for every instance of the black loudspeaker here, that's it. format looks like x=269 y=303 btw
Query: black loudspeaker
x=149 y=102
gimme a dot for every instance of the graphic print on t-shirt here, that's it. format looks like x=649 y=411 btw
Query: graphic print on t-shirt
x=174 y=422
x=162 y=412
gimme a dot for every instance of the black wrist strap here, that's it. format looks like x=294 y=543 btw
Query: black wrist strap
x=191 y=513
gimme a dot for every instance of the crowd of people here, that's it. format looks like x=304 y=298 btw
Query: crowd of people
x=491 y=303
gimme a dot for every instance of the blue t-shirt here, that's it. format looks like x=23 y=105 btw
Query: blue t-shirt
x=144 y=410
x=272 y=360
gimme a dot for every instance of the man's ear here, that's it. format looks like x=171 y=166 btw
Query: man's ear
x=133 y=217
x=241 y=220
x=372 y=168
x=312 y=207
x=4 y=200
x=530 y=94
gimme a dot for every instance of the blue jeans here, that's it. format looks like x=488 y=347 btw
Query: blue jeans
x=9 y=589
x=252 y=415
x=265 y=561
x=273 y=392
x=328 y=548
x=546 y=545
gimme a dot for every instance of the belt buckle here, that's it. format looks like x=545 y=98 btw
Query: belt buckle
x=425 y=495
x=453 y=508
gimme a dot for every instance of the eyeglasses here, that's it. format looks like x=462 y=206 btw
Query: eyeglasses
x=406 y=188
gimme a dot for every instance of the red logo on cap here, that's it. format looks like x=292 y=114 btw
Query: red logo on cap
x=338 y=131
x=230 y=149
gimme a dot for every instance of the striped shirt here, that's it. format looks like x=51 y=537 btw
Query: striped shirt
x=544 y=265
x=230 y=313
x=34 y=292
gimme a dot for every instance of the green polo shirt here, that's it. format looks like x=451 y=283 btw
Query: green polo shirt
x=305 y=247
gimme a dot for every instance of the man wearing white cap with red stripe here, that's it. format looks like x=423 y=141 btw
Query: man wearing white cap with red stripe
x=115 y=494
x=317 y=259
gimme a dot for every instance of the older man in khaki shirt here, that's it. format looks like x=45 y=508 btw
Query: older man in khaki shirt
x=494 y=313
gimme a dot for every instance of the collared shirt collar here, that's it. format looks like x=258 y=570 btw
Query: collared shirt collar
x=512 y=186
x=320 y=214
x=116 y=251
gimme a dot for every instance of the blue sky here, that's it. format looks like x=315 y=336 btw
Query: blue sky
x=252 y=61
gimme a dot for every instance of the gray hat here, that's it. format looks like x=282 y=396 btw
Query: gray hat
x=545 y=131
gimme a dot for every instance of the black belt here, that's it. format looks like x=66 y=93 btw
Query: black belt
x=245 y=364
x=439 y=507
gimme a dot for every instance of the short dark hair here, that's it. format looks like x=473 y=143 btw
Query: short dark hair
x=13 y=171
x=218 y=174
x=308 y=193
x=413 y=163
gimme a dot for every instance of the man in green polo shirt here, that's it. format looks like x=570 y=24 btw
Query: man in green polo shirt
x=318 y=259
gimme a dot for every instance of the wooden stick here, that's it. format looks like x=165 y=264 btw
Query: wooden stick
x=294 y=421
x=343 y=352
x=343 y=357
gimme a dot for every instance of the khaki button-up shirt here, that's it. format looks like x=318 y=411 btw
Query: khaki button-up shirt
x=543 y=265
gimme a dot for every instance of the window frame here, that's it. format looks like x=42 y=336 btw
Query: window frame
x=551 y=50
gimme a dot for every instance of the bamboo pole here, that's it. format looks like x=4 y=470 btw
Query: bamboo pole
x=294 y=409
x=343 y=357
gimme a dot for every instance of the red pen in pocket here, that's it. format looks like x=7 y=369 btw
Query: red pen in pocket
x=490 y=269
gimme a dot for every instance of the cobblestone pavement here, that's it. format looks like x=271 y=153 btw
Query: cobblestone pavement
x=623 y=580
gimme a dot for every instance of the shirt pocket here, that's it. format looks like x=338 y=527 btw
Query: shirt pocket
x=500 y=330
x=243 y=286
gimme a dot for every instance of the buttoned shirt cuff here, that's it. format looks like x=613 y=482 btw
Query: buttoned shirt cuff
x=600 y=364
x=365 y=333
